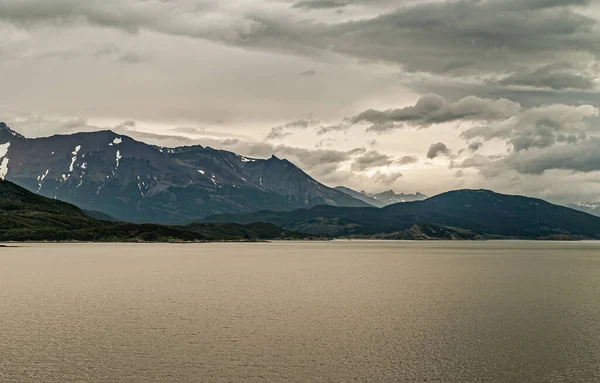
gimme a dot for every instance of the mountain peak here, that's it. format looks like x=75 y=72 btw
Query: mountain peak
x=5 y=128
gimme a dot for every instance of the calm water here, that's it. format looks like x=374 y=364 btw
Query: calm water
x=301 y=312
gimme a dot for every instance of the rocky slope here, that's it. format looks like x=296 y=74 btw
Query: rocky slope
x=132 y=181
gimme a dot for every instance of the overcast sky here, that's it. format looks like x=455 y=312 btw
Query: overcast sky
x=425 y=95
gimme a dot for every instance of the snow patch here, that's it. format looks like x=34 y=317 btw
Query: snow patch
x=118 y=158
x=245 y=159
x=4 y=163
x=41 y=180
x=117 y=141
x=74 y=153
x=201 y=171
x=4 y=149
x=3 y=168
x=84 y=165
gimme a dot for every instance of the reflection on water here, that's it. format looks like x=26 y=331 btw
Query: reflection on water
x=301 y=312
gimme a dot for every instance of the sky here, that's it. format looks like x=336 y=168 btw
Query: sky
x=427 y=95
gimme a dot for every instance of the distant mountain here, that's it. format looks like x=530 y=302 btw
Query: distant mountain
x=382 y=199
x=588 y=207
x=360 y=196
x=390 y=197
x=132 y=181
x=25 y=216
x=480 y=212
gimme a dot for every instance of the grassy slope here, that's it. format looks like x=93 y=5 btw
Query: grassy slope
x=25 y=216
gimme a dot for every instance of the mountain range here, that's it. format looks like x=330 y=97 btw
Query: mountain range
x=386 y=198
x=472 y=212
x=117 y=179
x=136 y=182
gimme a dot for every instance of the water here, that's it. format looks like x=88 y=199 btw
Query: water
x=301 y=312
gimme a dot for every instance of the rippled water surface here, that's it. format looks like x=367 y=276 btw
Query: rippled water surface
x=301 y=312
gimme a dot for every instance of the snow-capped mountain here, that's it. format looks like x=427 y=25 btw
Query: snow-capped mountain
x=134 y=181
x=382 y=199
x=588 y=207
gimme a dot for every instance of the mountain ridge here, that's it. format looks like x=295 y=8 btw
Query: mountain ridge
x=481 y=211
x=133 y=181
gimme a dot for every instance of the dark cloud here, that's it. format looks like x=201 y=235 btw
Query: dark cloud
x=319 y=4
x=475 y=146
x=473 y=37
x=437 y=150
x=433 y=109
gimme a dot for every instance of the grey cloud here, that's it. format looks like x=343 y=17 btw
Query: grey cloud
x=133 y=58
x=384 y=127
x=476 y=161
x=473 y=37
x=277 y=133
x=406 y=160
x=280 y=132
x=475 y=146
x=332 y=128
x=538 y=127
x=581 y=157
x=433 y=109
x=370 y=160
x=555 y=76
x=319 y=4
x=308 y=73
x=386 y=179
x=437 y=150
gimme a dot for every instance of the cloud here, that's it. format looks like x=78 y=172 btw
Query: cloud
x=556 y=76
x=433 y=109
x=308 y=73
x=538 y=127
x=332 y=128
x=283 y=131
x=406 y=160
x=473 y=37
x=386 y=179
x=437 y=150
x=319 y=4
x=133 y=58
x=583 y=157
x=277 y=133
x=475 y=146
x=371 y=159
